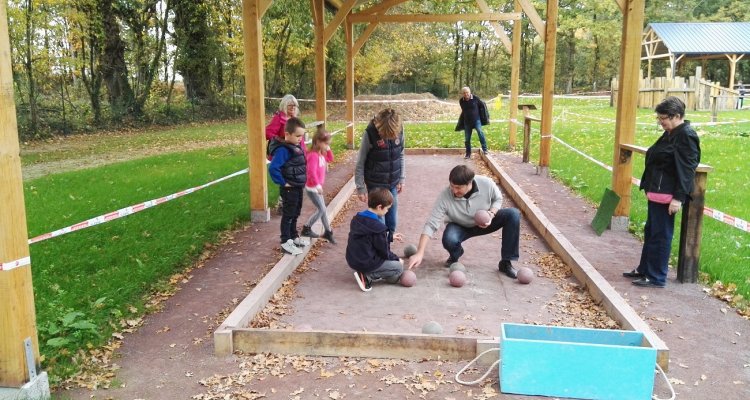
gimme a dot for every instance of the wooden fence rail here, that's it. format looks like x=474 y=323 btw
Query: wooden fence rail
x=696 y=92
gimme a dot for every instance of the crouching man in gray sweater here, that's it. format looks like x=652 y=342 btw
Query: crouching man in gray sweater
x=457 y=204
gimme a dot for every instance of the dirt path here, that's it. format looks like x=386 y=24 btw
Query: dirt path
x=171 y=355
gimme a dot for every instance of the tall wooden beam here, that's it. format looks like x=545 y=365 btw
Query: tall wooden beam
x=17 y=313
x=515 y=79
x=320 y=59
x=533 y=16
x=255 y=109
x=407 y=18
x=499 y=30
x=627 y=106
x=350 y=53
x=341 y=14
x=548 y=90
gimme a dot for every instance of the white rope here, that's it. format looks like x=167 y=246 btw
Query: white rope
x=669 y=385
x=458 y=374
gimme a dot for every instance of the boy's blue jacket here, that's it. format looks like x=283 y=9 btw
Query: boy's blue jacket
x=368 y=246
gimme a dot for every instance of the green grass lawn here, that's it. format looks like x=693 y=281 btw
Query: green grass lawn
x=88 y=284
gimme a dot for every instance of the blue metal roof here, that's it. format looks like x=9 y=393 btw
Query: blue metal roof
x=704 y=37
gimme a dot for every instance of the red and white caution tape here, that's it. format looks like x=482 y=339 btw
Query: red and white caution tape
x=124 y=212
x=727 y=219
x=7 y=266
x=715 y=214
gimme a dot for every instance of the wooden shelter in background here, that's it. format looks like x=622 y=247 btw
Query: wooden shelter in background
x=677 y=42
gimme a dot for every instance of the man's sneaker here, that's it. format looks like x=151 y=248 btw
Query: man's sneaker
x=507 y=268
x=363 y=281
x=307 y=231
x=290 y=248
x=301 y=242
x=468 y=156
x=449 y=261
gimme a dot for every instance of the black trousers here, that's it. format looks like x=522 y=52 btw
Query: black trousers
x=291 y=198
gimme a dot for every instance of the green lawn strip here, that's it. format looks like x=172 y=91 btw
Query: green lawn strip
x=87 y=282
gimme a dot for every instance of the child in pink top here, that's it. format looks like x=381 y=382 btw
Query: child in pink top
x=318 y=157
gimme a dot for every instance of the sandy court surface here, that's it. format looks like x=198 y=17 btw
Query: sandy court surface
x=329 y=298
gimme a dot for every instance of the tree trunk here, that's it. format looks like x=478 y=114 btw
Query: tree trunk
x=114 y=70
x=196 y=45
x=29 y=69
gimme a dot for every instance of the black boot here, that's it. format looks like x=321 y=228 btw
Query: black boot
x=328 y=235
x=307 y=231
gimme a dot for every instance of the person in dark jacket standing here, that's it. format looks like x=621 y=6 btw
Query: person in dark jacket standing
x=368 y=250
x=381 y=162
x=668 y=181
x=288 y=169
x=474 y=115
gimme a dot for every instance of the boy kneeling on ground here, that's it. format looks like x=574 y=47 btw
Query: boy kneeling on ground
x=368 y=250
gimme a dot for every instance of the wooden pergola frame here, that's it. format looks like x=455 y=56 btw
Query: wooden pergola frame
x=17 y=312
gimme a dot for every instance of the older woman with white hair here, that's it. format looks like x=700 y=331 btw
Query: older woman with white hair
x=288 y=107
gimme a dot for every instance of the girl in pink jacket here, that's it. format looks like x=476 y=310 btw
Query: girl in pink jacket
x=318 y=157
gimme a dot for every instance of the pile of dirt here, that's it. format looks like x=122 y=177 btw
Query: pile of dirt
x=411 y=106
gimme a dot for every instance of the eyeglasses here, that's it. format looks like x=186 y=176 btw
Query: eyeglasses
x=660 y=118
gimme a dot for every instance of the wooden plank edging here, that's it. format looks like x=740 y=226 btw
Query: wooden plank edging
x=259 y=296
x=594 y=282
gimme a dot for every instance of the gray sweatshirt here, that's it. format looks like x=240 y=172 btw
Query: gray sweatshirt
x=459 y=210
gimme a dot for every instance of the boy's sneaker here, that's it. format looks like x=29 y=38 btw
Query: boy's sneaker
x=363 y=281
x=301 y=242
x=307 y=231
x=290 y=248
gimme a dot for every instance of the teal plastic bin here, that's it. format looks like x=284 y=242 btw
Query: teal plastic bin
x=577 y=363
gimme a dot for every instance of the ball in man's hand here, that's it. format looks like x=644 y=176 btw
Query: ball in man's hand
x=482 y=217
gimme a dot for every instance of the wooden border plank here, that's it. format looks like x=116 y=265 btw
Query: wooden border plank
x=355 y=344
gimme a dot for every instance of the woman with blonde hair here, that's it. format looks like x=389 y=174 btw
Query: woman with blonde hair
x=381 y=161
x=288 y=107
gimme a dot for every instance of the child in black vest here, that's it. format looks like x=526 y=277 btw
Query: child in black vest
x=288 y=169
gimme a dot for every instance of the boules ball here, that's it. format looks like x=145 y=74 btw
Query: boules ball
x=482 y=217
x=525 y=275
x=457 y=266
x=432 y=328
x=410 y=250
x=408 y=278
x=457 y=278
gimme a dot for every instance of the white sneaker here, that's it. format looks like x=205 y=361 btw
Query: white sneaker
x=301 y=242
x=290 y=248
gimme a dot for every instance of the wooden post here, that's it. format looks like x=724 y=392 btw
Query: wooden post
x=349 y=32
x=548 y=91
x=691 y=228
x=17 y=312
x=627 y=104
x=515 y=83
x=714 y=109
x=526 y=129
x=320 y=59
x=254 y=94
